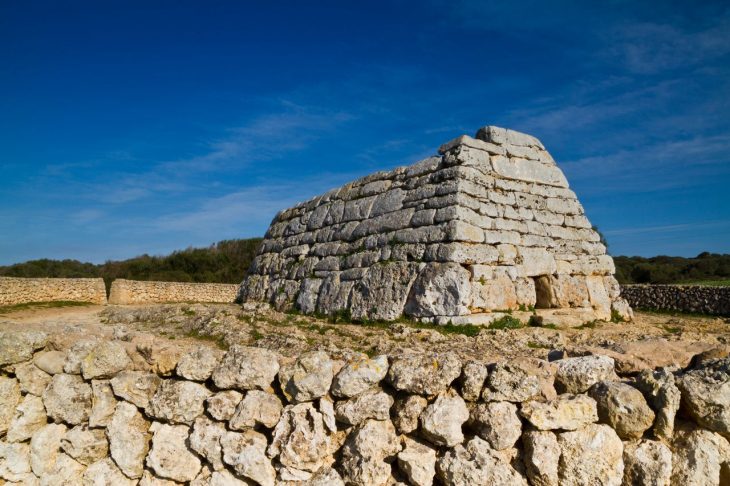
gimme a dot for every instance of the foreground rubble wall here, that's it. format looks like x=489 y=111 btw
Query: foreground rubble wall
x=110 y=412
x=683 y=298
x=18 y=290
x=489 y=224
x=149 y=292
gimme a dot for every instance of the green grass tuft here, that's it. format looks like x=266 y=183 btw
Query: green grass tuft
x=4 y=309
x=506 y=322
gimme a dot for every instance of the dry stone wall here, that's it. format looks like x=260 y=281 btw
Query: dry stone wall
x=489 y=224
x=16 y=290
x=143 y=292
x=684 y=298
x=110 y=413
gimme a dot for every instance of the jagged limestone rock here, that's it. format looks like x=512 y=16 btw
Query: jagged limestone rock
x=591 y=455
x=9 y=399
x=407 y=413
x=418 y=462
x=246 y=453
x=359 y=376
x=128 y=434
x=476 y=463
x=364 y=453
x=222 y=405
x=178 y=401
x=15 y=463
x=300 y=440
x=664 y=397
x=136 y=387
x=169 y=456
x=205 y=440
x=567 y=412
x=29 y=416
x=246 y=368
x=68 y=399
x=45 y=447
x=647 y=462
x=103 y=403
x=542 y=457
x=257 y=408
x=85 y=445
x=698 y=458
x=50 y=361
x=577 y=375
x=199 y=363
x=441 y=289
x=623 y=408
x=65 y=472
x=105 y=360
x=473 y=377
x=373 y=404
x=441 y=421
x=424 y=374
x=308 y=378
x=706 y=395
x=76 y=355
x=497 y=423
x=18 y=346
x=32 y=379
x=105 y=473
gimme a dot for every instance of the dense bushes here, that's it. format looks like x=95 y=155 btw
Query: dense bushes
x=224 y=262
x=666 y=269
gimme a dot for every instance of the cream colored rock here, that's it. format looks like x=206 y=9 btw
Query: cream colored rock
x=567 y=412
x=424 y=374
x=85 y=445
x=246 y=368
x=476 y=463
x=373 y=404
x=441 y=289
x=661 y=392
x=169 y=456
x=9 y=400
x=387 y=284
x=105 y=473
x=18 y=346
x=257 y=408
x=68 y=399
x=198 y=364
x=473 y=377
x=65 y=472
x=511 y=382
x=136 y=387
x=103 y=403
x=149 y=479
x=591 y=455
x=205 y=440
x=178 y=401
x=222 y=405
x=407 y=412
x=623 y=408
x=441 y=421
x=542 y=457
x=577 y=375
x=698 y=458
x=308 y=378
x=359 y=376
x=246 y=453
x=45 y=447
x=497 y=423
x=159 y=359
x=418 y=462
x=105 y=360
x=50 y=362
x=300 y=440
x=647 y=463
x=364 y=453
x=29 y=416
x=128 y=439
x=15 y=462
x=32 y=379
x=706 y=395
x=75 y=355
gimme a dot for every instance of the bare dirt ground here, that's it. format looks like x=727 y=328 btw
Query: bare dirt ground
x=651 y=340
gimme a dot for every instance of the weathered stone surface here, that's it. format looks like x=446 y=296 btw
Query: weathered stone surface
x=365 y=451
x=706 y=395
x=441 y=421
x=178 y=401
x=105 y=360
x=159 y=358
x=300 y=439
x=407 y=412
x=308 y=378
x=382 y=293
x=698 y=458
x=441 y=289
x=205 y=440
x=45 y=446
x=32 y=379
x=424 y=374
x=222 y=405
x=246 y=368
x=169 y=456
x=373 y=404
x=647 y=462
x=359 y=376
x=136 y=387
x=9 y=399
x=257 y=408
x=105 y=473
x=663 y=396
x=65 y=472
x=577 y=375
x=591 y=455
x=623 y=408
x=567 y=412
x=128 y=439
x=68 y=399
x=76 y=355
x=497 y=423
x=473 y=377
x=199 y=363
x=18 y=346
x=50 y=361
x=542 y=457
x=85 y=445
x=246 y=453
x=15 y=463
x=511 y=382
x=103 y=403
x=476 y=463
x=29 y=416
x=418 y=462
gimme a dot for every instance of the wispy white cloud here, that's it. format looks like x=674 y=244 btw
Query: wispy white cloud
x=670 y=228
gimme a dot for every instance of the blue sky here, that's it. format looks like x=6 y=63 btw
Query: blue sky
x=143 y=127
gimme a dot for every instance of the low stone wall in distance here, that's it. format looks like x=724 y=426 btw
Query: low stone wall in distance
x=108 y=412
x=139 y=292
x=17 y=290
x=684 y=298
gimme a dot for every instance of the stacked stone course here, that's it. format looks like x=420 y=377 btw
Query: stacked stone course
x=106 y=412
x=490 y=224
x=683 y=298
x=16 y=290
x=149 y=292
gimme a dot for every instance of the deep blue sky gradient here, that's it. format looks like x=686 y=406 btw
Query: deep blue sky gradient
x=143 y=127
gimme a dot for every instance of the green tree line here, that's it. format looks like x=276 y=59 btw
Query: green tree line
x=667 y=269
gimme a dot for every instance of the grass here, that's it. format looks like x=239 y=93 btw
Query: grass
x=708 y=283
x=5 y=309
x=671 y=329
x=217 y=340
x=534 y=345
x=506 y=322
x=588 y=325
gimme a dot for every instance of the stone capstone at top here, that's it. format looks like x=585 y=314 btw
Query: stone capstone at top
x=487 y=225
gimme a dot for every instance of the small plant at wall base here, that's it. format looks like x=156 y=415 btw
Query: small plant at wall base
x=506 y=322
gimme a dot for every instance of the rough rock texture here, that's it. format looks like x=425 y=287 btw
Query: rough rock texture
x=9 y=399
x=178 y=401
x=246 y=368
x=473 y=377
x=205 y=440
x=441 y=421
x=684 y=298
x=418 y=462
x=32 y=379
x=623 y=408
x=257 y=408
x=103 y=403
x=424 y=374
x=169 y=457
x=85 y=445
x=373 y=404
x=591 y=455
x=136 y=387
x=246 y=452
x=105 y=360
x=542 y=457
x=199 y=363
x=105 y=473
x=647 y=463
x=68 y=399
x=29 y=416
x=407 y=412
x=476 y=463
x=300 y=439
x=497 y=423
x=364 y=453
x=308 y=378
x=359 y=375
x=45 y=448
x=512 y=383
x=706 y=395
x=664 y=397
x=222 y=405
x=488 y=224
x=16 y=347
x=567 y=412
x=128 y=439
x=577 y=375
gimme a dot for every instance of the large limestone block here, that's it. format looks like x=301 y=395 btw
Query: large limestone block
x=373 y=404
x=528 y=171
x=18 y=346
x=9 y=399
x=300 y=440
x=222 y=405
x=105 y=473
x=532 y=262
x=647 y=462
x=76 y=354
x=45 y=447
x=408 y=410
x=365 y=451
x=441 y=421
x=497 y=423
x=105 y=360
x=32 y=379
x=495 y=294
x=441 y=289
x=591 y=455
x=257 y=408
x=28 y=416
x=308 y=378
x=246 y=368
x=170 y=457
x=178 y=401
x=542 y=457
x=473 y=376
x=424 y=374
x=698 y=458
x=199 y=363
x=136 y=387
x=577 y=375
x=382 y=293
x=308 y=295
x=706 y=395
x=65 y=472
x=15 y=463
x=476 y=463
x=661 y=392
x=50 y=361
x=359 y=375
x=85 y=445
x=566 y=412
x=68 y=399
x=246 y=453
x=205 y=440
x=128 y=434
x=418 y=462
x=623 y=407
x=520 y=380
